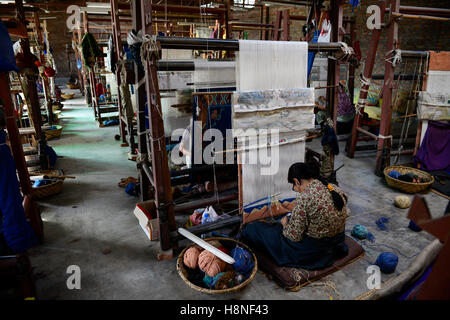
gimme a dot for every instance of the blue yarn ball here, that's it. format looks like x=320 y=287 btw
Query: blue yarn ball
x=414 y=227
x=387 y=261
x=394 y=174
x=130 y=189
x=243 y=262
x=359 y=231
x=211 y=281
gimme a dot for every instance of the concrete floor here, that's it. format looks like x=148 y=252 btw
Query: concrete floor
x=93 y=214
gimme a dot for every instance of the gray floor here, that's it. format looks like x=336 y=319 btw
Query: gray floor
x=93 y=214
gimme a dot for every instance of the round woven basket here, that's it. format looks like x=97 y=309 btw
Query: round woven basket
x=408 y=187
x=184 y=275
x=55 y=133
x=72 y=86
x=49 y=189
x=68 y=96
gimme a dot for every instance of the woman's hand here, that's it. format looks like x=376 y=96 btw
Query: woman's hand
x=284 y=221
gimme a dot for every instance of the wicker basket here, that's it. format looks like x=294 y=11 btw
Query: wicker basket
x=68 y=96
x=408 y=187
x=72 y=86
x=183 y=273
x=53 y=134
x=49 y=189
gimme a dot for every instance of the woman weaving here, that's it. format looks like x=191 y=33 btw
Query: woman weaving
x=313 y=236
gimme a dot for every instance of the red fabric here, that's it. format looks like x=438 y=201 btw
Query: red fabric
x=50 y=72
x=99 y=89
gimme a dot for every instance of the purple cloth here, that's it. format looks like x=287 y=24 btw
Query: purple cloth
x=345 y=106
x=434 y=151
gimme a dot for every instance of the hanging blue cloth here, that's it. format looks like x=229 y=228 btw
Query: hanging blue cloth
x=14 y=227
x=312 y=55
x=7 y=60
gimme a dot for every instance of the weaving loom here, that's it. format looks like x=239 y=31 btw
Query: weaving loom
x=271 y=79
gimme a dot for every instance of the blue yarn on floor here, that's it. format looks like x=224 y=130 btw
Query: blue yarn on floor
x=387 y=261
x=359 y=231
x=110 y=122
x=243 y=260
x=414 y=227
x=370 y=237
x=381 y=223
x=131 y=189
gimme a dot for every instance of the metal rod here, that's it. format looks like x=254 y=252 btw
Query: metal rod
x=232 y=45
x=207 y=227
x=204 y=202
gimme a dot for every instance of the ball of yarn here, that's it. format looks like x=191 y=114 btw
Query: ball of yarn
x=359 y=231
x=210 y=264
x=131 y=189
x=394 y=174
x=226 y=280
x=402 y=202
x=243 y=260
x=414 y=227
x=190 y=258
x=210 y=282
x=387 y=261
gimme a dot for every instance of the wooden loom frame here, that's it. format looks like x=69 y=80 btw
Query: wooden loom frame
x=156 y=172
x=384 y=139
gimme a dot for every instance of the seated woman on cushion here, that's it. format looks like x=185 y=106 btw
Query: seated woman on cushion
x=313 y=237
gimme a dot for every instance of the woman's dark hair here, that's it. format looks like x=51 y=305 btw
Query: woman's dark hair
x=308 y=171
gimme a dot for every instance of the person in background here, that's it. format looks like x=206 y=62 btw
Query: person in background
x=313 y=236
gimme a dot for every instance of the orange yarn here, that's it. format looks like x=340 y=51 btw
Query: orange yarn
x=210 y=264
x=190 y=258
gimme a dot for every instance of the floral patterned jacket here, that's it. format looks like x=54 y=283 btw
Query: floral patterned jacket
x=315 y=214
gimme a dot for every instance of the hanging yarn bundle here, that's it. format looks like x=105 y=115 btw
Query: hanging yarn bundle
x=190 y=258
x=210 y=264
x=387 y=261
x=243 y=260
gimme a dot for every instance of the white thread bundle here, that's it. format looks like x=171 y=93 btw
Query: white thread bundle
x=210 y=74
x=271 y=65
x=262 y=67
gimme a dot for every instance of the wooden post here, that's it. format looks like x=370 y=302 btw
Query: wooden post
x=367 y=73
x=286 y=24
x=34 y=110
x=45 y=83
x=385 y=138
x=334 y=65
x=91 y=76
x=144 y=182
x=115 y=23
x=160 y=166
x=276 y=30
